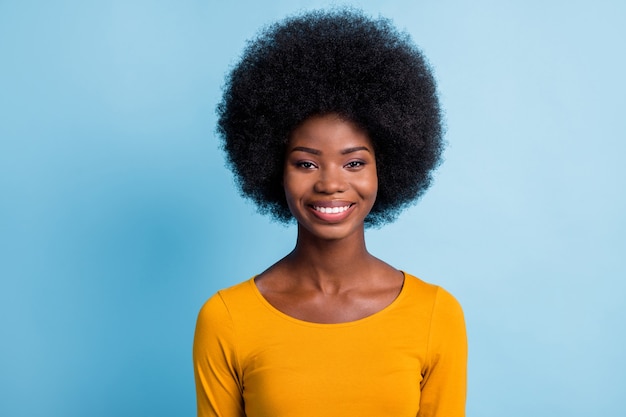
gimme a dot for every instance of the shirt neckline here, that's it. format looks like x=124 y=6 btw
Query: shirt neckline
x=362 y=320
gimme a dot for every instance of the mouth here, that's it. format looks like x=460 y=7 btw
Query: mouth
x=332 y=210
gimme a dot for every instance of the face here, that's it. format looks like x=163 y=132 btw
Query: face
x=330 y=177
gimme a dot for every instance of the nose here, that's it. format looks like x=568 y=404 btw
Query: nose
x=330 y=181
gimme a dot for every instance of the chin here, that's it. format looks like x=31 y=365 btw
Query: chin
x=331 y=232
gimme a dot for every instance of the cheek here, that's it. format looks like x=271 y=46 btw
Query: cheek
x=292 y=188
x=369 y=185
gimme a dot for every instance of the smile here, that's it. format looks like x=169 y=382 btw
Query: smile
x=331 y=210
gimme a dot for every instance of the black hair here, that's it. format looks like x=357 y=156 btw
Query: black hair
x=326 y=62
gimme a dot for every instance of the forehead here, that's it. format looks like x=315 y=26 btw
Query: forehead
x=330 y=133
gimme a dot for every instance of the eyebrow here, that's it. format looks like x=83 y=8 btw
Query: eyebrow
x=318 y=152
x=355 y=149
x=307 y=150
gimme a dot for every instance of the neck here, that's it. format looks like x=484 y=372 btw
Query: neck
x=331 y=265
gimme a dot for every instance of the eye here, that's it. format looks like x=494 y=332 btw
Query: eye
x=355 y=164
x=305 y=164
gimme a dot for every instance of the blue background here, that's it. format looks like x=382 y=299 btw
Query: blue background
x=118 y=218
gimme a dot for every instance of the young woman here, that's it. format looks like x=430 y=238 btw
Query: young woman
x=331 y=119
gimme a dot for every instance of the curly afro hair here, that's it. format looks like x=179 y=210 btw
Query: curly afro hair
x=332 y=62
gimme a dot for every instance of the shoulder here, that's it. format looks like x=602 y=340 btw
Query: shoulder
x=443 y=317
x=220 y=306
x=437 y=298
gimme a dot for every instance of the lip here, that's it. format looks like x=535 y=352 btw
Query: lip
x=331 y=211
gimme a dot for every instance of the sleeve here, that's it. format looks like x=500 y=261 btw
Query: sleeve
x=216 y=368
x=444 y=383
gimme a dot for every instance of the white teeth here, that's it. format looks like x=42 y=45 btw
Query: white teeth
x=333 y=210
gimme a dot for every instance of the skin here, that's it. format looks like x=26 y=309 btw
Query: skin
x=330 y=277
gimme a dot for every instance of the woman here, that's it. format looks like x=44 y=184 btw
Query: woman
x=331 y=119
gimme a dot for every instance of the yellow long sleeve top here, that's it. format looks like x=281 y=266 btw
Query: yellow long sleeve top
x=408 y=359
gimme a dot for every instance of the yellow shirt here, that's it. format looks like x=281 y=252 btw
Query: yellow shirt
x=408 y=359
